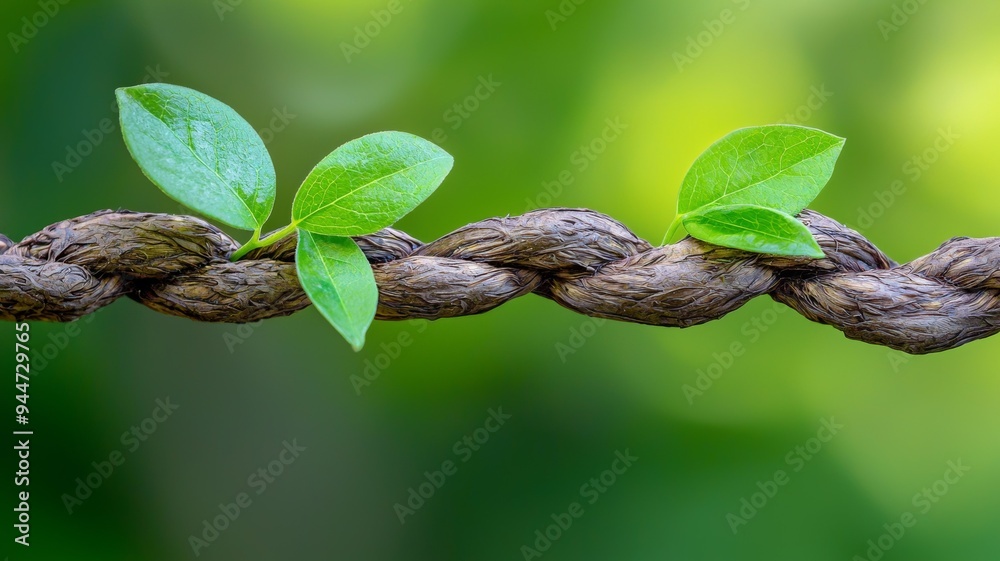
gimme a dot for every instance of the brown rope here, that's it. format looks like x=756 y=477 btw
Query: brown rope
x=583 y=260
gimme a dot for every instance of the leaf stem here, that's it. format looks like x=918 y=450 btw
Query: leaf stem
x=256 y=242
x=673 y=229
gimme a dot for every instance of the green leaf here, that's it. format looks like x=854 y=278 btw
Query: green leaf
x=338 y=280
x=369 y=183
x=199 y=151
x=782 y=167
x=753 y=228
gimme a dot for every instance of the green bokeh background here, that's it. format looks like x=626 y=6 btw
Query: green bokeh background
x=904 y=417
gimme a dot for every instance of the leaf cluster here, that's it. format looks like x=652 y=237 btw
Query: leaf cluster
x=200 y=152
x=745 y=190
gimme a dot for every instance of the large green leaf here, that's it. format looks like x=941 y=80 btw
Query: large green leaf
x=338 y=280
x=199 y=151
x=753 y=228
x=782 y=167
x=369 y=183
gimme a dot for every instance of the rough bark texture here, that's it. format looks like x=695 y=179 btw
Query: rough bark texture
x=581 y=259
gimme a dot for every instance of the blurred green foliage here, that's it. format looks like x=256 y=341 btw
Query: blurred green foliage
x=523 y=100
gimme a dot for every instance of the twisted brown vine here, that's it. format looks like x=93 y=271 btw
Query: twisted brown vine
x=583 y=260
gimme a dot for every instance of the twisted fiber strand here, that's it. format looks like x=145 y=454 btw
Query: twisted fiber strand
x=583 y=260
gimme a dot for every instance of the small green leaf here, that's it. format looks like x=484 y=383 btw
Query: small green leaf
x=782 y=167
x=369 y=183
x=338 y=280
x=753 y=228
x=199 y=151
